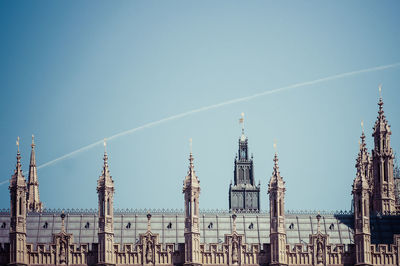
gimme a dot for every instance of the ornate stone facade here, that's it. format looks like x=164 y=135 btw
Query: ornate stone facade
x=370 y=235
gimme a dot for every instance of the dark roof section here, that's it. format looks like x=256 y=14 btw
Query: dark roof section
x=128 y=224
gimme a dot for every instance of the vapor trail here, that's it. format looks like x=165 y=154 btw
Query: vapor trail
x=214 y=106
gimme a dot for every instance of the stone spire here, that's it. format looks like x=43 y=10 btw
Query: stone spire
x=381 y=124
x=105 y=180
x=363 y=161
x=276 y=181
x=34 y=204
x=105 y=191
x=191 y=180
x=18 y=178
x=276 y=191
x=382 y=164
x=361 y=198
x=191 y=190
x=363 y=166
x=17 y=236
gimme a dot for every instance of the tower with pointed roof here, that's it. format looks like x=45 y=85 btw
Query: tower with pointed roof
x=361 y=197
x=191 y=191
x=276 y=191
x=244 y=194
x=383 y=198
x=34 y=204
x=105 y=191
x=18 y=190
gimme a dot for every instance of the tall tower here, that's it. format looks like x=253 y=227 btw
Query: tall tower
x=244 y=195
x=382 y=164
x=191 y=190
x=105 y=191
x=277 y=235
x=361 y=197
x=18 y=251
x=34 y=204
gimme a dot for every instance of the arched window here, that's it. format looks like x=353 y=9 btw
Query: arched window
x=385 y=172
x=20 y=206
x=14 y=208
x=365 y=207
x=195 y=207
x=241 y=175
x=108 y=206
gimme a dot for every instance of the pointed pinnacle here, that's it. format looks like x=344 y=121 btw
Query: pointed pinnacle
x=17 y=142
x=191 y=166
x=276 y=160
x=105 y=158
x=362 y=134
x=380 y=103
x=33 y=141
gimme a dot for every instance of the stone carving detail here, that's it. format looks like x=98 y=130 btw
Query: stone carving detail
x=62 y=252
x=62 y=240
x=149 y=249
x=235 y=249
x=320 y=250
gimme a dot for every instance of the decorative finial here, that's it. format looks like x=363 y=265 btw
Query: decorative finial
x=190 y=144
x=148 y=222
x=62 y=221
x=17 y=142
x=380 y=103
x=105 y=157
x=362 y=128
x=241 y=121
x=234 y=221
x=318 y=225
x=33 y=141
x=275 y=156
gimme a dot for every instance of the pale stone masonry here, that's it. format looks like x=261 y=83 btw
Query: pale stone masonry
x=105 y=191
x=242 y=235
x=191 y=190
x=277 y=236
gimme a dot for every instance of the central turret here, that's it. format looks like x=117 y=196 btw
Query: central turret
x=244 y=195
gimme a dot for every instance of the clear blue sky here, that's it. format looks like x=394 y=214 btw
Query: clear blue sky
x=74 y=72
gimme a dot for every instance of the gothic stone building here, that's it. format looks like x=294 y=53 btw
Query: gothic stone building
x=368 y=235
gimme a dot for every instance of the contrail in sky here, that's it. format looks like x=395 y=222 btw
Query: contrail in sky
x=214 y=106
